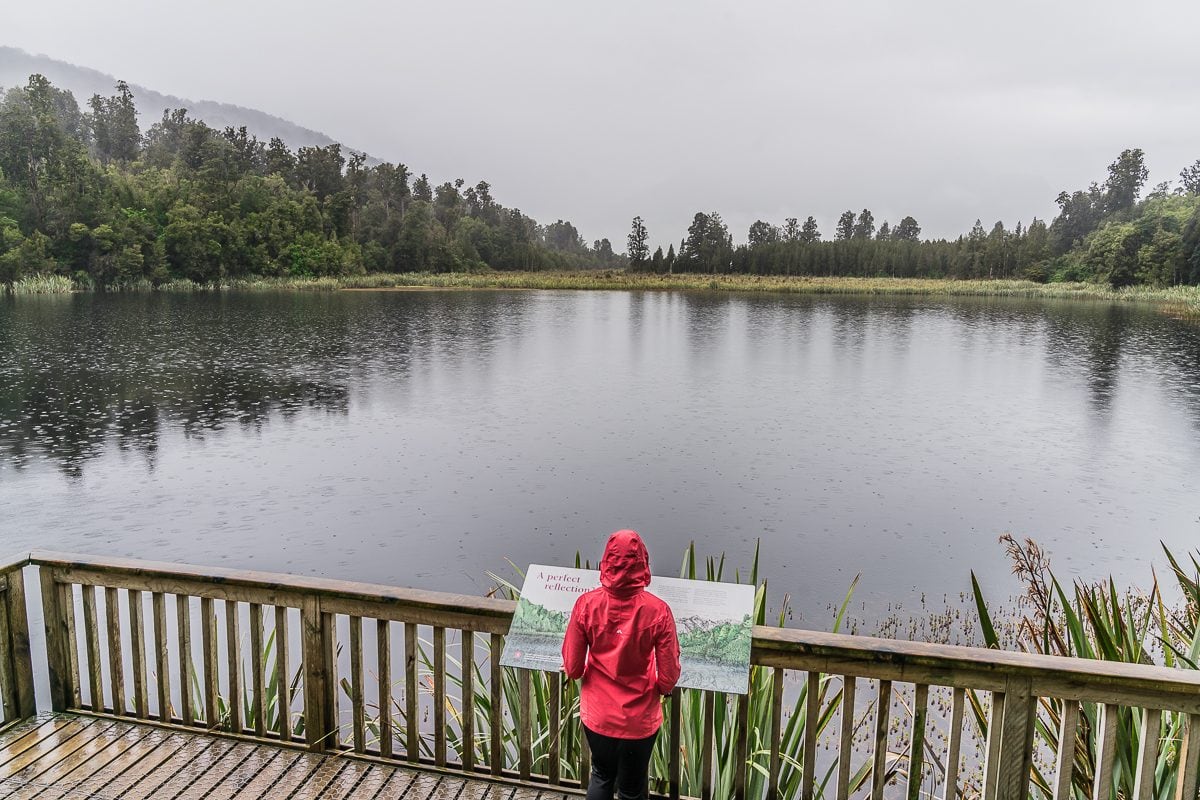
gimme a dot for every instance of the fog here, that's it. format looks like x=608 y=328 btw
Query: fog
x=595 y=112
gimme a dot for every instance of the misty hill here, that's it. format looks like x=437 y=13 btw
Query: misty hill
x=16 y=66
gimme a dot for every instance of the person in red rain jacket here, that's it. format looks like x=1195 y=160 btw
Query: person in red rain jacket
x=622 y=646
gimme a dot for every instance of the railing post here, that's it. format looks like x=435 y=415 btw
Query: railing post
x=17 y=613
x=1188 y=782
x=1008 y=773
x=319 y=727
x=57 y=631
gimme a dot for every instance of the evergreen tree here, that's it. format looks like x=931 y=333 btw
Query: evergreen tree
x=637 y=250
x=791 y=230
x=763 y=233
x=604 y=252
x=907 y=231
x=845 y=226
x=1190 y=177
x=421 y=189
x=280 y=160
x=658 y=261
x=809 y=233
x=708 y=246
x=864 y=228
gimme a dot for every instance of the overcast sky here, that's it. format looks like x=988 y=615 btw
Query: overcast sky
x=594 y=112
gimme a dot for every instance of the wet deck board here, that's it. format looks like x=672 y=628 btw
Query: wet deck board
x=67 y=757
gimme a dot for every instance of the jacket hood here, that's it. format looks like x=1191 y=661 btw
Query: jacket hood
x=625 y=567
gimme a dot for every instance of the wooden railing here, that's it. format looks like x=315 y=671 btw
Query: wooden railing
x=16 y=665
x=408 y=675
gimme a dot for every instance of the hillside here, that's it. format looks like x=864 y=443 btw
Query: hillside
x=16 y=66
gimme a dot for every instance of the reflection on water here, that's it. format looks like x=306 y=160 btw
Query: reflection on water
x=424 y=437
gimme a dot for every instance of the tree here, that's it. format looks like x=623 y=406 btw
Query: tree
x=845 y=226
x=1034 y=248
x=421 y=189
x=564 y=237
x=1112 y=254
x=248 y=154
x=319 y=169
x=604 y=252
x=1160 y=261
x=637 y=248
x=1126 y=176
x=864 y=228
x=1190 y=177
x=995 y=254
x=976 y=242
x=279 y=160
x=708 y=246
x=762 y=233
x=1079 y=214
x=657 y=261
x=193 y=243
x=809 y=233
x=885 y=232
x=907 y=231
x=114 y=126
x=42 y=138
x=791 y=230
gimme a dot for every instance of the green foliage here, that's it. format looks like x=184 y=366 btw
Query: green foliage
x=1099 y=621
x=708 y=246
x=637 y=248
x=89 y=195
x=726 y=717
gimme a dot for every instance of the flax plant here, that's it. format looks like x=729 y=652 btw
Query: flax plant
x=726 y=722
x=1096 y=621
x=758 y=719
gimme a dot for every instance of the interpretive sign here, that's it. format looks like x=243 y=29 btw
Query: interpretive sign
x=713 y=619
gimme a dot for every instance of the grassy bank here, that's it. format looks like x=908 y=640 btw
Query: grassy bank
x=1184 y=300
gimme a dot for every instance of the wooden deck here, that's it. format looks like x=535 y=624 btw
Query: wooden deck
x=76 y=756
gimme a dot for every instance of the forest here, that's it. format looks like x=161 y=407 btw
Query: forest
x=87 y=195
x=1106 y=233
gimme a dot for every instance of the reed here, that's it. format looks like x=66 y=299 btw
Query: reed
x=1185 y=299
x=1182 y=301
x=42 y=284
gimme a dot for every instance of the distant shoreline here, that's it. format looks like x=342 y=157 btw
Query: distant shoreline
x=1178 y=300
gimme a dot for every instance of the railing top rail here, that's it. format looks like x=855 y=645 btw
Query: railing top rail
x=13 y=562
x=487 y=607
x=865 y=656
x=974 y=666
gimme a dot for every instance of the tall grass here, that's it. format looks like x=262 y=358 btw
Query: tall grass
x=1180 y=300
x=42 y=284
x=1099 y=621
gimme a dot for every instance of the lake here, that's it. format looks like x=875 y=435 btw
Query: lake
x=426 y=438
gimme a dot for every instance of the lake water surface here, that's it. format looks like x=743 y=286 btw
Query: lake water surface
x=423 y=438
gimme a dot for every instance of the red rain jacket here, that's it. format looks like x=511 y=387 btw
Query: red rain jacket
x=621 y=641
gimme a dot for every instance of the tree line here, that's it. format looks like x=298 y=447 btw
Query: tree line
x=86 y=193
x=1107 y=232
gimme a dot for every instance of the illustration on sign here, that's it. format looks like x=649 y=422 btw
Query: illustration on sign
x=713 y=619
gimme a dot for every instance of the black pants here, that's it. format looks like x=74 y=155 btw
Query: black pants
x=623 y=763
